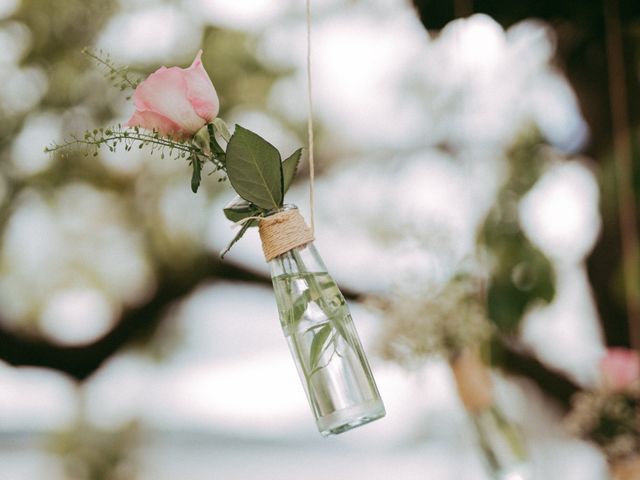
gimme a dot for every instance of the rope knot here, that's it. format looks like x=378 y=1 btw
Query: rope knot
x=473 y=381
x=282 y=232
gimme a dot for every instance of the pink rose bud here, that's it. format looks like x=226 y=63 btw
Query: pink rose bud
x=619 y=368
x=175 y=101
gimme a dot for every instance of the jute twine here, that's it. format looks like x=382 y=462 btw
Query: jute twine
x=310 y=121
x=282 y=232
x=473 y=381
x=628 y=469
x=287 y=230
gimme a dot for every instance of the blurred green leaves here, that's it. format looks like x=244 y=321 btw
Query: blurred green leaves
x=89 y=453
x=521 y=276
x=59 y=27
x=240 y=78
x=59 y=30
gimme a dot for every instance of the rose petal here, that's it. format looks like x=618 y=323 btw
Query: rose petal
x=154 y=121
x=619 y=368
x=165 y=93
x=200 y=90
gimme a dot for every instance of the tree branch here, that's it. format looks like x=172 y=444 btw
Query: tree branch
x=519 y=362
x=623 y=153
x=80 y=362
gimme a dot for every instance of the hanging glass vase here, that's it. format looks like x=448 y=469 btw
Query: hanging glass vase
x=318 y=327
x=502 y=445
x=626 y=469
x=500 y=441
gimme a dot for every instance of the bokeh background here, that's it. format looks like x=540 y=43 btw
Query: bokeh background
x=448 y=132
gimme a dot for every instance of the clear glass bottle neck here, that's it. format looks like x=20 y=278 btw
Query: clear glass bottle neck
x=305 y=259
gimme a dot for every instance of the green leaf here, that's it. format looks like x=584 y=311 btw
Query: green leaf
x=254 y=169
x=290 y=167
x=522 y=277
x=196 y=176
x=314 y=327
x=330 y=289
x=214 y=146
x=300 y=305
x=238 y=209
x=338 y=323
x=243 y=230
x=202 y=140
x=318 y=345
x=222 y=128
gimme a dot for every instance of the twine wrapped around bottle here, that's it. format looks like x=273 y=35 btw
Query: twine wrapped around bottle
x=473 y=381
x=282 y=232
x=628 y=469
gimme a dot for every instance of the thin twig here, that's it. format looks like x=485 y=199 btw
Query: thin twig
x=122 y=72
x=143 y=138
x=623 y=160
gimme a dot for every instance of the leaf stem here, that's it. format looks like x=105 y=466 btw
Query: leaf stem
x=144 y=138
x=121 y=72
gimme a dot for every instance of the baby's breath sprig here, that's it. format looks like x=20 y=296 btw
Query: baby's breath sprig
x=111 y=138
x=93 y=140
x=419 y=327
x=120 y=76
x=610 y=419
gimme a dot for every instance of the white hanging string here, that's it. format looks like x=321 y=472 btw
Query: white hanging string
x=310 y=120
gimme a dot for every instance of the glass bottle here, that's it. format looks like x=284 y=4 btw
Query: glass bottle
x=324 y=343
x=500 y=441
x=502 y=445
x=627 y=468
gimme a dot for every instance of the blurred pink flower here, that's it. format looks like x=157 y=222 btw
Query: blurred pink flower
x=175 y=101
x=619 y=368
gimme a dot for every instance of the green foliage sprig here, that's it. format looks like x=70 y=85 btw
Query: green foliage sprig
x=120 y=76
x=521 y=275
x=110 y=138
x=419 y=327
x=259 y=176
x=253 y=166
